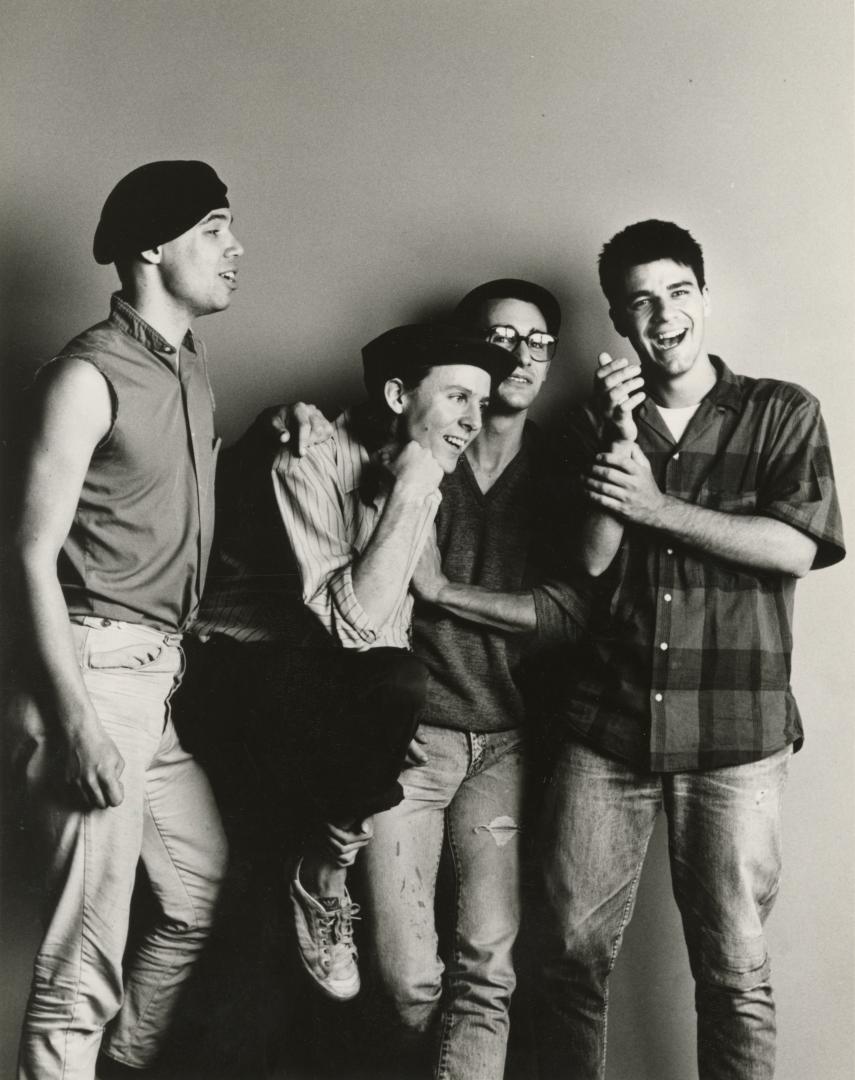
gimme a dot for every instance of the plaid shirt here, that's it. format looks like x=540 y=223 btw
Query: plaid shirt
x=688 y=663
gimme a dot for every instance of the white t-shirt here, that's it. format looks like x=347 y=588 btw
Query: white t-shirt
x=678 y=419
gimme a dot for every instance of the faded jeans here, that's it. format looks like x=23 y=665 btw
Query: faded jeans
x=167 y=819
x=468 y=795
x=725 y=854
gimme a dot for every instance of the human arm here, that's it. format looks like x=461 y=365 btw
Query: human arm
x=73 y=414
x=513 y=612
x=384 y=568
x=339 y=565
x=623 y=485
x=617 y=392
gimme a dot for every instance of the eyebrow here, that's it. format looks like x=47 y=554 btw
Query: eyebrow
x=218 y=215
x=649 y=292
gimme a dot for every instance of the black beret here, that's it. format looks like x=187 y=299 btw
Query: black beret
x=154 y=204
x=468 y=310
x=407 y=350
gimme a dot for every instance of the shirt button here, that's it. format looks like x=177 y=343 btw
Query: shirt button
x=105 y=622
x=667 y=598
x=669 y=551
x=657 y=697
x=676 y=456
x=663 y=645
x=168 y=348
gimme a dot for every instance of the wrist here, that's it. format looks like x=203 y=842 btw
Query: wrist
x=617 y=445
x=661 y=512
x=411 y=492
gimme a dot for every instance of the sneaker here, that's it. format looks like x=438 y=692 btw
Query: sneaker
x=325 y=939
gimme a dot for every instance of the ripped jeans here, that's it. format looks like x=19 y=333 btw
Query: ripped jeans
x=468 y=795
x=725 y=851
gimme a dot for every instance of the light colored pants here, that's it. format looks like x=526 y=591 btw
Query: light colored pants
x=470 y=795
x=724 y=835
x=167 y=819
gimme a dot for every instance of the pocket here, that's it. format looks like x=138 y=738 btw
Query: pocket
x=127 y=658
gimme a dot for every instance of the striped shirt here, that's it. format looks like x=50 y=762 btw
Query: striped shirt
x=331 y=501
x=688 y=662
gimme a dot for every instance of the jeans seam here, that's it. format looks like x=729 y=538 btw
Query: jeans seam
x=445 y=1016
x=68 y=1028
x=167 y=974
x=616 y=944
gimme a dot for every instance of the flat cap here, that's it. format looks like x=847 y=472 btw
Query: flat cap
x=468 y=310
x=154 y=204
x=406 y=350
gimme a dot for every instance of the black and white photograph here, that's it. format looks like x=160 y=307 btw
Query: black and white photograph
x=426 y=632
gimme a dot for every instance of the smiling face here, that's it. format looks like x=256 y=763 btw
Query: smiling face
x=663 y=313
x=443 y=413
x=522 y=386
x=199 y=267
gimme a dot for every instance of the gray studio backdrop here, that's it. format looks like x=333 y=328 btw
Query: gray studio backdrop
x=385 y=155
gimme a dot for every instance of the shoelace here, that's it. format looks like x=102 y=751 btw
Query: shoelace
x=343 y=927
x=326 y=925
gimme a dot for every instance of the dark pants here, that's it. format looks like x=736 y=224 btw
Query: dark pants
x=322 y=732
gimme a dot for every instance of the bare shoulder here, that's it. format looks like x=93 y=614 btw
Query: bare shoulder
x=71 y=392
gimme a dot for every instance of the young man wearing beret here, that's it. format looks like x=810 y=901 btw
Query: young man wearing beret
x=110 y=546
x=331 y=693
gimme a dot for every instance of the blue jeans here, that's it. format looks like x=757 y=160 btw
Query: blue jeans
x=468 y=794
x=725 y=853
x=167 y=819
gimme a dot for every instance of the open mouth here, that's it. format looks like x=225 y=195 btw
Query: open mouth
x=230 y=276
x=519 y=379
x=457 y=443
x=669 y=340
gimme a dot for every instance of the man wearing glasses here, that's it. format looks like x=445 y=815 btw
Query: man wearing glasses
x=480 y=605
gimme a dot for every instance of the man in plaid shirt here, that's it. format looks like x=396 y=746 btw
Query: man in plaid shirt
x=708 y=494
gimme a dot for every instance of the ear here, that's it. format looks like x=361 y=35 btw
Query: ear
x=705 y=293
x=152 y=255
x=394 y=394
x=617 y=322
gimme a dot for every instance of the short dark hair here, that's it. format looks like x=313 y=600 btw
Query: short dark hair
x=468 y=311
x=645 y=242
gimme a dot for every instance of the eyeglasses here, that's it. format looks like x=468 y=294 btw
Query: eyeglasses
x=541 y=346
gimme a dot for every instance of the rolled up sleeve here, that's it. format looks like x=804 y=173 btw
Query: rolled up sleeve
x=799 y=485
x=310 y=501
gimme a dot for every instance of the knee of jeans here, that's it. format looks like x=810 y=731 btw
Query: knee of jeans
x=731 y=961
x=413 y=991
x=92 y=994
x=197 y=918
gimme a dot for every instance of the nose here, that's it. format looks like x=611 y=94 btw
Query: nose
x=521 y=352
x=663 y=308
x=235 y=248
x=471 y=419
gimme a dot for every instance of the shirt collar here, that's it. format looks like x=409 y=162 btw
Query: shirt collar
x=728 y=389
x=134 y=325
x=726 y=392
